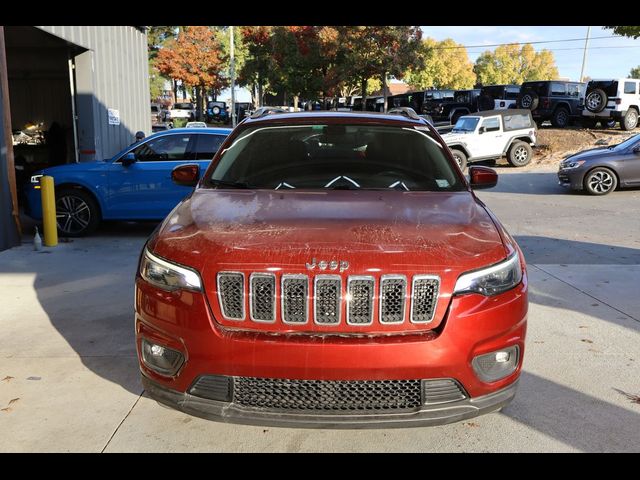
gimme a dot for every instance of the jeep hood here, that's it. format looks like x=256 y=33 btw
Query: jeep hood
x=455 y=137
x=259 y=229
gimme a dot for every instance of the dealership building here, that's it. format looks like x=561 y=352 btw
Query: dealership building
x=68 y=94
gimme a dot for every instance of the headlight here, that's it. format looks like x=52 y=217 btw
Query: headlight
x=492 y=280
x=572 y=164
x=167 y=275
x=35 y=179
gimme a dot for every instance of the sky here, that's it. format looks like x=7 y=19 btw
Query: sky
x=606 y=57
x=601 y=62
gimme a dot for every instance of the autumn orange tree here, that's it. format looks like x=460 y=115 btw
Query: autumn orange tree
x=196 y=58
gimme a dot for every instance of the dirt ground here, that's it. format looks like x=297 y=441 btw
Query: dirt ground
x=554 y=143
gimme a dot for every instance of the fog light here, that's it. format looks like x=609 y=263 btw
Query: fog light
x=496 y=365
x=160 y=359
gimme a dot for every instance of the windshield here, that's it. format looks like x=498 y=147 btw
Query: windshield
x=609 y=87
x=345 y=157
x=629 y=142
x=466 y=124
x=182 y=106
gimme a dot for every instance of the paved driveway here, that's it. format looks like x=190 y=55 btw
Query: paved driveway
x=68 y=371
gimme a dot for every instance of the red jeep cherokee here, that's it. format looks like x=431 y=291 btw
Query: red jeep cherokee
x=332 y=269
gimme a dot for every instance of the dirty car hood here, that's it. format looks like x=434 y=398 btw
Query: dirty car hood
x=216 y=230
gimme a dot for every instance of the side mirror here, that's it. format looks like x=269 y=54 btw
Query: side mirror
x=186 y=175
x=128 y=159
x=482 y=130
x=636 y=150
x=482 y=177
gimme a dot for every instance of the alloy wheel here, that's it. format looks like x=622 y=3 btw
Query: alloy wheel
x=601 y=182
x=73 y=215
x=594 y=101
x=521 y=154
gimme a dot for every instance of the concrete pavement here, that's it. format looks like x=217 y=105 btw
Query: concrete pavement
x=69 y=379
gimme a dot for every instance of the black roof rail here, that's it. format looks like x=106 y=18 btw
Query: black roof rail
x=262 y=111
x=406 y=111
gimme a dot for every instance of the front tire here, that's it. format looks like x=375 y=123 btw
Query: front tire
x=600 y=181
x=630 y=120
x=77 y=213
x=520 y=154
x=460 y=158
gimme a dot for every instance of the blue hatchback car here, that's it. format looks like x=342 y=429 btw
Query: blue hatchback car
x=135 y=184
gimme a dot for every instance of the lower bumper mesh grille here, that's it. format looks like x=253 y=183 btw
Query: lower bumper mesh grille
x=370 y=396
x=327 y=395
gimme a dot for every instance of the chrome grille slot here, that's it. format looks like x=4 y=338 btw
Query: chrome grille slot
x=424 y=298
x=393 y=293
x=360 y=300
x=231 y=295
x=327 y=395
x=442 y=390
x=327 y=299
x=295 y=292
x=262 y=297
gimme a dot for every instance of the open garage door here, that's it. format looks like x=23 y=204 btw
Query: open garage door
x=41 y=91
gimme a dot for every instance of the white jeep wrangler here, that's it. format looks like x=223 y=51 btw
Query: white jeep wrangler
x=493 y=134
x=615 y=100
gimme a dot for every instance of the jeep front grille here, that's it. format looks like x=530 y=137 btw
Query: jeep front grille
x=424 y=298
x=393 y=292
x=296 y=301
x=231 y=294
x=263 y=297
x=328 y=299
x=360 y=300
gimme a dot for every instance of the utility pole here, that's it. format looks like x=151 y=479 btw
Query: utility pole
x=584 y=56
x=233 y=78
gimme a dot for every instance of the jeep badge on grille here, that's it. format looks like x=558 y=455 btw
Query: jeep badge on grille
x=332 y=265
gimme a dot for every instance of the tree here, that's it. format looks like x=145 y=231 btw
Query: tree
x=514 y=64
x=258 y=61
x=156 y=37
x=635 y=72
x=378 y=51
x=195 y=57
x=626 y=31
x=446 y=65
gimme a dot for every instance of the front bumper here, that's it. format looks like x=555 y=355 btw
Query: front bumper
x=572 y=179
x=428 y=415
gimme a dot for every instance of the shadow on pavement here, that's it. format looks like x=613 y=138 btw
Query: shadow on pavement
x=86 y=287
x=573 y=417
x=541 y=250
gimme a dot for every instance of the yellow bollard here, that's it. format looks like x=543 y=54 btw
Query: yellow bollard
x=49 y=211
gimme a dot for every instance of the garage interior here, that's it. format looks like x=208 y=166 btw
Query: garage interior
x=41 y=85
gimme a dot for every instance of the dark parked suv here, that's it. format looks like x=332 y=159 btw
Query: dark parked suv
x=450 y=108
x=498 y=97
x=552 y=100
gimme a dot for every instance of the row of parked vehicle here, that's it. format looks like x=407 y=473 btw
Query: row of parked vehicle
x=563 y=103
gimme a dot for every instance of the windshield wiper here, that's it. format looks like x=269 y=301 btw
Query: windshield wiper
x=224 y=183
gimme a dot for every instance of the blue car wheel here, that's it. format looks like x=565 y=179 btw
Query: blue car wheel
x=77 y=213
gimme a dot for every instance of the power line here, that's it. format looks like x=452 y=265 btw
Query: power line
x=525 y=43
x=577 y=48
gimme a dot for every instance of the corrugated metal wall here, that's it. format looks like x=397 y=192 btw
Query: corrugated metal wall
x=120 y=81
